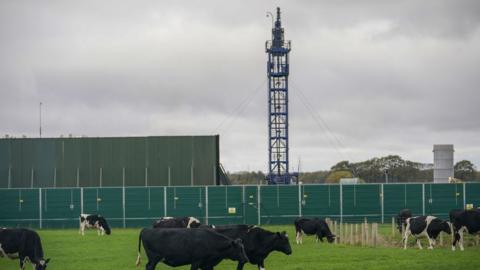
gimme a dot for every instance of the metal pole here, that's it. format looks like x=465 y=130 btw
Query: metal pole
x=40 y=206
x=243 y=204
x=423 y=199
x=81 y=200
x=164 y=201
x=341 y=203
x=78 y=177
x=382 y=202
x=258 y=206
x=206 y=205
x=464 y=196
x=299 y=200
x=123 y=206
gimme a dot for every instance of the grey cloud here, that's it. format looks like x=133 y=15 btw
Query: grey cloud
x=388 y=77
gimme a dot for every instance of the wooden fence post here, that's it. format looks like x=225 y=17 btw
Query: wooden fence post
x=356 y=235
x=393 y=227
x=335 y=231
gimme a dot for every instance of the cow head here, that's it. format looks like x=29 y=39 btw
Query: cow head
x=42 y=264
x=102 y=222
x=325 y=232
x=238 y=253
x=446 y=226
x=282 y=243
x=193 y=223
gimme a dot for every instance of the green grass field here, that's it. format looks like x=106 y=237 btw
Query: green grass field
x=69 y=251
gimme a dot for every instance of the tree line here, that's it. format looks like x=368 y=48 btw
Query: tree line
x=392 y=169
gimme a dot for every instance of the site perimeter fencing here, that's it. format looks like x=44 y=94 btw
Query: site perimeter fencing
x=140 y=206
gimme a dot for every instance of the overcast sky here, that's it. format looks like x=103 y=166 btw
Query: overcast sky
x=381 y=77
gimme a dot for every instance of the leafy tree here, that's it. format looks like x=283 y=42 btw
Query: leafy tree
x=335 y=176
x=464 y=170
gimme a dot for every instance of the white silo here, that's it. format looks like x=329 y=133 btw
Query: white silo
x=442 y=162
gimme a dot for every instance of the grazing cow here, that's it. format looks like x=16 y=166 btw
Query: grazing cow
x=177 y=222
x=23 y=244
x=201 y=248
x=258 y=243
x=465 y=221
x=314 y=226
x=94 y=221
x=429 y=226
x=401 y=218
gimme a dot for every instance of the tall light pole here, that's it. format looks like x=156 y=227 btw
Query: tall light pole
x=40 y=120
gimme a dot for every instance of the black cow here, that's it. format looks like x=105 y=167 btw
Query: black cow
x=314 y=226
x=201 y=248
x=258 y=243
x=94 y=221
x=177 y=222
x=454 y=213
x=23 y=244
x=465 y=221
x=401 y=218
x=429 y=226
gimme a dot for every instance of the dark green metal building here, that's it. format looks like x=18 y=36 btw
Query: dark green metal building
x=112 y=161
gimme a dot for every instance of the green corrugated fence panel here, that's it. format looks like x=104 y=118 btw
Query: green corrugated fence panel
x=106 y=202
x=250 y=195
x=220 y=200
x=279 y=204
x=186 y=201
x=360 y=202
x=321 y=201
x=472 y=193
x=143 y=205
x=402 y=196
x=20 y=208
x=441 y=198
x=60 y=207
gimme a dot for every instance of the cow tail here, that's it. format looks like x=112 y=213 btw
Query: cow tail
x=137 y=263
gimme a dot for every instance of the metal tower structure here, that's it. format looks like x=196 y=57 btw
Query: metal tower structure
x=277 y=50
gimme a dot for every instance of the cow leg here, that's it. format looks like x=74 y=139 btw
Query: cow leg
x=82 y=228
x=461 y=238
x=299 y=237
x=430 y=243
x=455 y=239
x=194 y=266
x=261 y=266
x=152 y=263
x=2 y=252
x=23 y=261
x=240 y=266
x=405 y=239
x=419 y=244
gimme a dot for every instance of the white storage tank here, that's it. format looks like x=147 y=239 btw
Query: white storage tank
x=442 y=162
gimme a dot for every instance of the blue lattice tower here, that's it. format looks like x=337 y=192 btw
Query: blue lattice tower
x=278 y=69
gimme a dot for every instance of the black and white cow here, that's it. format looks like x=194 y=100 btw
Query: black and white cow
x=258 y=243
x=200 y=248
x=94 y=221
x=401 y=218
x=177 y=222
x=314 y=226
x=429 y=226
x=23 y=244
x=465 y=221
